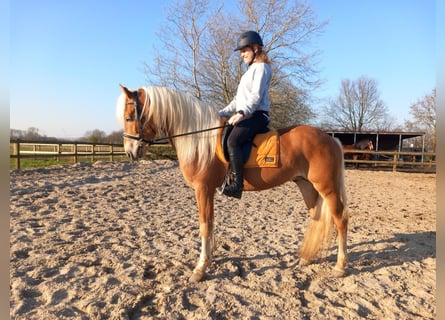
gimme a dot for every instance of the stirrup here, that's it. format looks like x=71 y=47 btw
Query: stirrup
x=220 y=190
x=227 y=178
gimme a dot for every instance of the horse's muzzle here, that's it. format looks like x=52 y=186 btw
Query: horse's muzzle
x=134 y=151
x=130 y=155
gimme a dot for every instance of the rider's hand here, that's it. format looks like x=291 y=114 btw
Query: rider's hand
x=235 y=119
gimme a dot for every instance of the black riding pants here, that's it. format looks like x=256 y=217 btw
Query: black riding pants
x=246 y=130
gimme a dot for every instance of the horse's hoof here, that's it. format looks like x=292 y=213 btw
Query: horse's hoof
x=338 y=273
x=197 y=276
x=304 y=262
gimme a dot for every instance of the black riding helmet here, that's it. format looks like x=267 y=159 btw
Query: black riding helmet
x=247 y=39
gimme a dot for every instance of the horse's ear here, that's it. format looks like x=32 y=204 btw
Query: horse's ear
x=126 y=91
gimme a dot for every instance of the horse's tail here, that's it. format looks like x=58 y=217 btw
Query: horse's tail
x=318 y=235
x=341 y=182
x=321 y=226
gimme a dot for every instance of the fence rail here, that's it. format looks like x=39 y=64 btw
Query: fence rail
x=395 y=160
x=22 y=149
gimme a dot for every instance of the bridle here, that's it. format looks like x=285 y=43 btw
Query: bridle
x=138 y=118
x=140 y=136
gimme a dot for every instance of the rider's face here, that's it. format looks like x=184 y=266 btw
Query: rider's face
x=247 y=55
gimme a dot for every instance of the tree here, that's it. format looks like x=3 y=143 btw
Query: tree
x=32 y=133
x=358 y=107
x=115 y=137
x=95 y=136
x=423 y=112
x=16 y=134
x=197 y=55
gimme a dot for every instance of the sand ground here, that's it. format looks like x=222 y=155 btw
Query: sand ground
x=119 y=241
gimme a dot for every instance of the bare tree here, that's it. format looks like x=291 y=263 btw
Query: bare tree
x=287 y=31
x=32 y=133
x=114 y=137
x=179 y=63
x=16 y=134
x=284 y=95
x=94 y=136
x=220 y=67
x=423 y=112
x=358 y=107
x=197 y=54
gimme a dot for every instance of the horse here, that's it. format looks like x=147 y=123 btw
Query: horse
x=365 y=144
x=308 y=156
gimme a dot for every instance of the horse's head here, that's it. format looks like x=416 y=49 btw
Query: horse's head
x=370 y=145
x=131 y=110
x=364 y=144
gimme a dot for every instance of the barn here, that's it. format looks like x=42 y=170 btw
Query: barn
x=382 y=141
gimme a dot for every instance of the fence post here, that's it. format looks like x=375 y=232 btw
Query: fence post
x=59 y=152
x=112 y=153
x=75 y=152
x=394 y=165
x=17 y=153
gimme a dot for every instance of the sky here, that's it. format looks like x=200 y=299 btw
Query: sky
x=68 y=57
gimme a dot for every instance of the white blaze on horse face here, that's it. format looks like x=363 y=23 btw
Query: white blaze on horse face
x=132 y=149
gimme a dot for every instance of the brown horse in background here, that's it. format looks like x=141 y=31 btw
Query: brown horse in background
x=365 y=144
x=308 y=156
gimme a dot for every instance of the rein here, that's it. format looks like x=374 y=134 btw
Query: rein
x=157 y=140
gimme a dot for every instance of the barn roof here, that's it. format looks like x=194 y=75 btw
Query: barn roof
x=381 y=140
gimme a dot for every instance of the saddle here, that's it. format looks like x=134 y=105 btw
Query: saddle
x=261 y=152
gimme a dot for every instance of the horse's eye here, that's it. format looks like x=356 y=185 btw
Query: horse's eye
x=129 y=118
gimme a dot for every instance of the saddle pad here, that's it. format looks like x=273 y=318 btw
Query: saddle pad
x=264 y=153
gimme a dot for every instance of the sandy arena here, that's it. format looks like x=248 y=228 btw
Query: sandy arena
x=119 y=241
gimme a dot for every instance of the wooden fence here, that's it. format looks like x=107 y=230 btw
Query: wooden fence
x=77 y=151
x=20 y=150
x=392 y=160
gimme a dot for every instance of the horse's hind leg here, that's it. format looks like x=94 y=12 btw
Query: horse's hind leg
x=336 y=207
x=313 y=201
x=310 y=196
x=324 y=210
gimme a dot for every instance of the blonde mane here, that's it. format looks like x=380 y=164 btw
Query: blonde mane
x=120 y=106
x=173 y=112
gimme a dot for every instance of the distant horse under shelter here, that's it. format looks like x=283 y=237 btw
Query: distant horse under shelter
x=365 y=144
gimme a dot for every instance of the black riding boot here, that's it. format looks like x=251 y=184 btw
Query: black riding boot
x=235 y=189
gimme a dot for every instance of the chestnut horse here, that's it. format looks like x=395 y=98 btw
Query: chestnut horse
x=308 y=156
x=365 y=144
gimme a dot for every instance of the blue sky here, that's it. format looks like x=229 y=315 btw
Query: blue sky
x=68 y=57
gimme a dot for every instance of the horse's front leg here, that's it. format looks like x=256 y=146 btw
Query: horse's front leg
x=204 y=197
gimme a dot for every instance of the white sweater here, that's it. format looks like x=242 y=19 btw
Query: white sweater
x=253 y=91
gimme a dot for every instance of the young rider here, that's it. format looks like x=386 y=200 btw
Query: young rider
x=249 y=110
